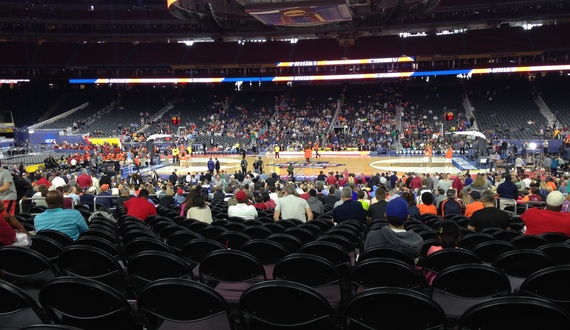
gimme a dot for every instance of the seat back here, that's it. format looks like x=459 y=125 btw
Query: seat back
x=472 y=240
x=94 y=263
x=135 y=232
x=149 y=266
x=181 y=238
x=304 y=235
x=182 y=304
x=300 y=307
x=266 y=252
x=145 y=244
x=86 y=304
x=387 y=252
x=489 y=251
x=442 y=259
x=290 y=243
x=529 y=242
x=257 y=232
x=340 y=240
x=232 y=239
x=58 y=236
x=374 y=309
x=231 y=272
x=30 y=269
x=212 y=231
x=551 y=284
x=48 y=247
x=515 y=312
x=100 y=243
x=197 y=249
x=451 y=293
x=559 y=252
x=379 y=272
x=101 y=233
x=17 y=308
x=230 y=266
x=313 y=271
x=554 y=237
x=330 y=251
x=519 y=264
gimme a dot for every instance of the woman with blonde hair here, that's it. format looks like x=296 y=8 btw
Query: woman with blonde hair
x=480 y=184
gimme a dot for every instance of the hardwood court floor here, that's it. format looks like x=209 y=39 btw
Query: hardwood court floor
x=355 y=164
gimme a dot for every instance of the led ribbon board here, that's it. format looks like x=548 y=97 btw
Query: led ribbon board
x=362 y=76
x=347 y=62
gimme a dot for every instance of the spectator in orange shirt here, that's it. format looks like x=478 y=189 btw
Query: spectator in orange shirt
x=427 y=207
x=475 y=205
x=551 y=184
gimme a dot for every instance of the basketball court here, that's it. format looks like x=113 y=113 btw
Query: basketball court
x=359 y=162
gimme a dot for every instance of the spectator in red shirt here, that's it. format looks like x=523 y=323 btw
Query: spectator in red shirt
x=8 y=227
x=534 y=196
x=416 y=182
x=457 y=183
x=259 y=203
x=268 y=201
x=84 y=180
x=331 y=179
x=140 y=207
x=44 y=180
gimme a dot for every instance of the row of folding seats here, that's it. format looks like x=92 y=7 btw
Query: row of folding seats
x=211 y=276
x=165 y=303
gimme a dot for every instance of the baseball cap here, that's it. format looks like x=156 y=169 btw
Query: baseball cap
x=180 y=191
x=555 y=198
x=450 y=193
x=475 y=194
x=105 y=187
x=241 y=196
x=91 y=190
x=398 y=207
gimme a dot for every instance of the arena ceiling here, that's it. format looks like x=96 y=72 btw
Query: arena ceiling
x=270 y=19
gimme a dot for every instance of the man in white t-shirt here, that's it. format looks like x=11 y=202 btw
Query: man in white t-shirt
x=242 y=209
x=57 y=181
x=292 y=207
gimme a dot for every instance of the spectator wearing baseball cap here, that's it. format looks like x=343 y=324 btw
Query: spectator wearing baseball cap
x=451 y=205
x=105 y=201
x=475 y=204
x=395 y=234
x=179 y=197
x=242 y=209
x=549 y=219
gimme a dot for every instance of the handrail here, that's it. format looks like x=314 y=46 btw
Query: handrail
x=102 y=197
x=43 y=199
x=58 y=117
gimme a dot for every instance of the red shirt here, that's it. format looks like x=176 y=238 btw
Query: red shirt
x=457 y=184
x=331 y=180
x=7 y=233
x=534 y=198
x=416 y=183
x=260 y=206
x=140 y=207
x=540 y=221
x=84 y=181
x=44 y=181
